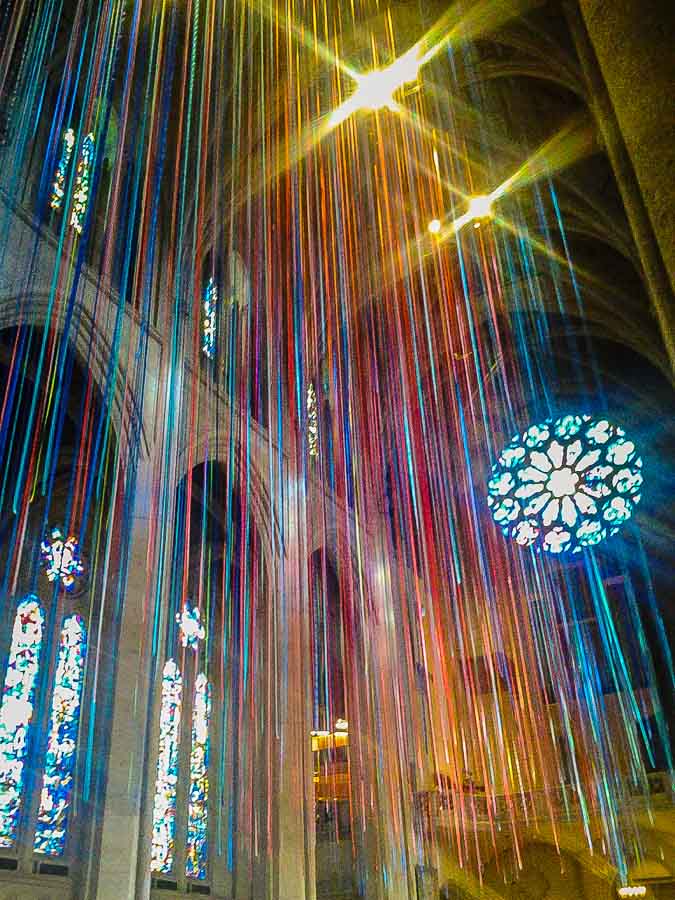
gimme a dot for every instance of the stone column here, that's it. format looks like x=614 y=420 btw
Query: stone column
x=626 y=51
x=392 y=853
x=296 y=832
x=122 y=837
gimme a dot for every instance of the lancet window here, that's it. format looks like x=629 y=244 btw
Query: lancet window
x=312 y=422
x=185 y=698
x=82 y=178
x=210 y=304
x=27 y=696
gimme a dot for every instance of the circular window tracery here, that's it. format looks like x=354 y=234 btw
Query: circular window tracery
x=565 y=484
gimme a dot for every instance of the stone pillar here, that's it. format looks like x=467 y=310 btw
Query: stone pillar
x=123 y=837
x=393 y=850
x=296 y=830
x=625 y=48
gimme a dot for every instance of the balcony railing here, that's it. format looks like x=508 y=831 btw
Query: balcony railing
x=439 y=809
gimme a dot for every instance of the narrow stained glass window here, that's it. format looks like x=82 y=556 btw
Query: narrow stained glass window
x=57 y=784
x=209 y=321
x=16 y=712
x=312 y=422
x=82 y=184
x=197 y=833
x=59 y=186
x=164 y=811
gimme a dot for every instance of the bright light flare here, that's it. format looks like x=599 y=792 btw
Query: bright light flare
x=480 y=207
x=375 y=90
x=434 y=226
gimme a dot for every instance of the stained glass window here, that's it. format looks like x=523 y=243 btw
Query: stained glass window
x=16 y=712
x=566 y=484
x=190 y=626
x=59 y=186
x=209 y=321
x=61 y=558
x=82 y=184
x=197 y=833
x=57 y=784
x=164 y=811
x=312 y=421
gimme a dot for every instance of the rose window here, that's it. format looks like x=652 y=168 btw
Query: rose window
x=566 y=484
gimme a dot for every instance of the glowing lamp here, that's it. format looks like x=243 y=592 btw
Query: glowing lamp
x=434 y=226
x=341 y=725
x=479 y=208
x=637 y=890
x=376 y=89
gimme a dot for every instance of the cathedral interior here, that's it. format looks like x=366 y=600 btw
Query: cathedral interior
x=337 y=449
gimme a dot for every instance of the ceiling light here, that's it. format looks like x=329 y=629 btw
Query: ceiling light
x=376 y=89
x=479 y=207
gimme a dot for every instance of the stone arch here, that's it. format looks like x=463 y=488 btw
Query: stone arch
x=544 y=872
x=253 y=463
x=324 y=588
x=92 y=344
x=460 y=884
x=43 y=512
x=233 y=777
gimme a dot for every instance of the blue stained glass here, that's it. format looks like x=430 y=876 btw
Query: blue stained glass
x=209 y=321
x=16 y=712
x=57 y=784
x=197 y=832
x=164 y=810
x=565 y=485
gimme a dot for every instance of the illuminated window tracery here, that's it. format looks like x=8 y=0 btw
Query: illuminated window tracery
x=57 y=785
x=82 y=178
x=164 y=812
x=209 y=320
x=169 y=768
x=82 y=184
x=59 y=186
x=197 y=831
x=566 y=484
x=16 y=712
x=190 y=626
x=312 y=421
x=61 y=558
